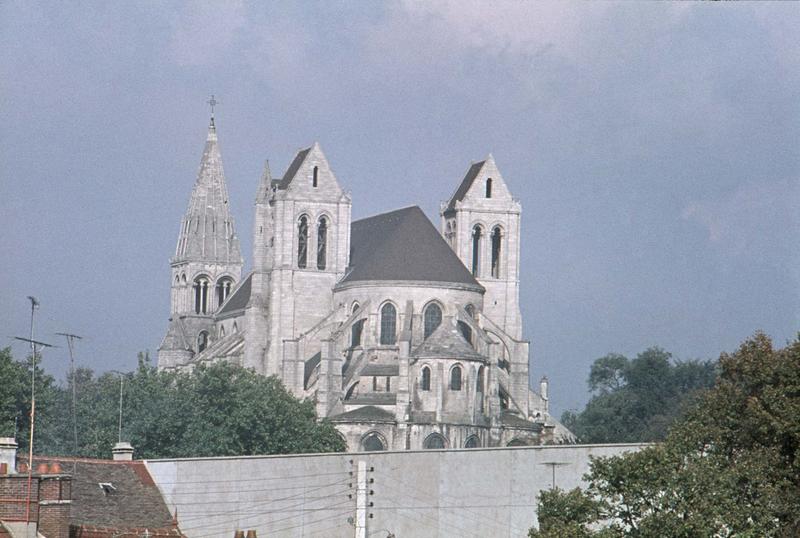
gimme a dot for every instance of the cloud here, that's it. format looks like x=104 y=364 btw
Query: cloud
x=752 y=218
x=202 y=32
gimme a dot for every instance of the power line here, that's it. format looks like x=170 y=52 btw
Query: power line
x=261 y=503
x=236 y=481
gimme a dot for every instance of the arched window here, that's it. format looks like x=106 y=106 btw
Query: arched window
x=322 y=242
x=470 y=309
x=477 y=234
x=201 y=295
x=472 y=442
x=372 y=442
x=356 y=329
x=224 y=286
x=425 y=381
x=202 y=341
x=465 y=330
x=455 y=378
x=432 y=318
x=302 y=242
x=388 y=324
x=434 y=441
x=489 y=188
x=516 y=442
x=479 y=388
x=235 y=328
x=222 y=331
x=496 y=241
x=315 y=177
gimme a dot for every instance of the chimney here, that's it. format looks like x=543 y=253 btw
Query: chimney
x=8 y=454
x=122 y=451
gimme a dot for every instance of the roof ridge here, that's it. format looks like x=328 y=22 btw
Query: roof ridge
x=398 y=210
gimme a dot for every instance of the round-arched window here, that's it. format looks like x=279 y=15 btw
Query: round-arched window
x=302 y=242
x=472 y=442
x=373 y=443
x=388 y=324
x=432 y=318
x=455 y=378
x=202 y=341
x=425 y=379
x=434 y=441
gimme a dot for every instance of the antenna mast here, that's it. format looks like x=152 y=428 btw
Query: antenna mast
x=34 y=344
x=70 y=342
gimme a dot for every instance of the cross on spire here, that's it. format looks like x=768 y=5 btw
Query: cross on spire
x=213 y=102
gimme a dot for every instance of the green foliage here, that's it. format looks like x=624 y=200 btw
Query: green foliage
x=217 y=410
x=729 y=467
x=565 y=514
x=15 y=401
x=637 y=400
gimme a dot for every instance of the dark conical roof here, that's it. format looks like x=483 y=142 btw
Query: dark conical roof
x=403 y=245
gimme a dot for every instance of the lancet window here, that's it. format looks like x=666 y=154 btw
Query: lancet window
x=302 y=242
x=322 y=242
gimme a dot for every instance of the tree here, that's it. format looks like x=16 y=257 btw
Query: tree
x=217 y=410
x=15 y=403
x=636 y=400
x=729 y=467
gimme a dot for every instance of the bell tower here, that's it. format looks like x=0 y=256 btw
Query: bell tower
x=207 y=264
x=481 y=223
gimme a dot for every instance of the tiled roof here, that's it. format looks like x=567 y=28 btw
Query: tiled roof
x=367 y=413
x=374 y=398
x=134 y=501
x=239 y=298
x=447 y=342
x=403 y=245
x=466 y=183
x=380 y=370
x=293 y=168
x=518 y=423
x=309 y=366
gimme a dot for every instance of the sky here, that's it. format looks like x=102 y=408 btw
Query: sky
x=653 y=146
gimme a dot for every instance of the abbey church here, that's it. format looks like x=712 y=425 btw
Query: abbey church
x=406 y=336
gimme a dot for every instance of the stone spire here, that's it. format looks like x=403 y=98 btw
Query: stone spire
x=207 y=233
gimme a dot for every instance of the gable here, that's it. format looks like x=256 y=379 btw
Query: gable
x=473 y=188
x=310 y=176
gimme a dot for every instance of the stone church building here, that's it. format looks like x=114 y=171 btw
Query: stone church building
x=405 y=336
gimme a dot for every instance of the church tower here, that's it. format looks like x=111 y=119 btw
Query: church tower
x=300 y=250
x=481 y=222
x=207 y=264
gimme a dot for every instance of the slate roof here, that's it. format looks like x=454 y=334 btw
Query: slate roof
x=309 y=366
x=514 y=421
x=403 y=245
x=293 y=168
x=367 y=413
x=466 y=183
x=380 y=370
x=239 y=298
x=447 y=342
x=176 y=336
x=135 y=501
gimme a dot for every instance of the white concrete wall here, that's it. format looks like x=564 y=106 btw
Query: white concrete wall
x=468 y=492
